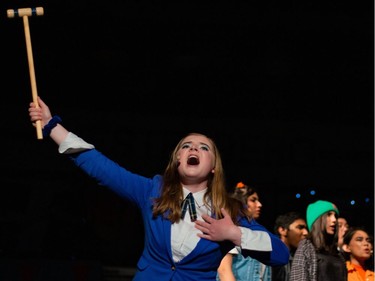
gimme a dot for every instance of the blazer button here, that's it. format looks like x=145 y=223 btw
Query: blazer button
x=173 y=268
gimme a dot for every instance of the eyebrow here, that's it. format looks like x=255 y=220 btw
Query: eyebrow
x=188 y=142
x=301 y=225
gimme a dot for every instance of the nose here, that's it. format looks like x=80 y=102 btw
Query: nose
x=192 y=147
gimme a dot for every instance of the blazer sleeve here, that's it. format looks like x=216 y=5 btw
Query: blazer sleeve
x=259 y=243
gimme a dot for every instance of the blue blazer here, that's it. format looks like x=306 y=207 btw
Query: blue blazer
x=156 y=261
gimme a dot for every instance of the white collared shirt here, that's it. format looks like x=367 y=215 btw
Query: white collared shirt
x=184 y=236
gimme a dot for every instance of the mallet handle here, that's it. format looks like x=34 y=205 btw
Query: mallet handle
x=25 y=13
x=32 y=72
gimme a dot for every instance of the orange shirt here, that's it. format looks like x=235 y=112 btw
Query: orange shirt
x=357 y=273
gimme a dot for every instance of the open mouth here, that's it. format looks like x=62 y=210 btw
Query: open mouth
x=193 y=160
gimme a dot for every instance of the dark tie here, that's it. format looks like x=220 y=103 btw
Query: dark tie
x=189 y=203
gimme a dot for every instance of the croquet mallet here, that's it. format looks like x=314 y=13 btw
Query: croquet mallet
x=25 y=13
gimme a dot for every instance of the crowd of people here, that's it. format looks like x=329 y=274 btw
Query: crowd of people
x=196 y=230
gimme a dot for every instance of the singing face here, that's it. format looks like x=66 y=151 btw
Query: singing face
x=359 y=247
x=196 y=159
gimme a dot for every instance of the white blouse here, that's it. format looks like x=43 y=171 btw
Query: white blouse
x=184 y=234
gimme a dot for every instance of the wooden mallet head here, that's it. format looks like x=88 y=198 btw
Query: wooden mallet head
x=38 y=11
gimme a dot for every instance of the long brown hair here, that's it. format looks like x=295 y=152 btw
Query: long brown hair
x=169 y=202
x=323 y=241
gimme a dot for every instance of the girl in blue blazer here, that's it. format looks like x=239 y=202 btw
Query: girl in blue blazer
x=189 y=220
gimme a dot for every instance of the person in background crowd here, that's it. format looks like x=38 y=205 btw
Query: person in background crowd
x=358 y=252
x=234 y=265
x=291 y=228
x=190 y=221
x=343 y=228
x=317 y=257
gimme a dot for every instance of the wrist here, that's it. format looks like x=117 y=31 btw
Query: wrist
x=52 y=123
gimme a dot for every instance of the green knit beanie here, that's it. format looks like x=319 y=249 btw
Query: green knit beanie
x=318 y=208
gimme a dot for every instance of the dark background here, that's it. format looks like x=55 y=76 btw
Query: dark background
x=285 y=88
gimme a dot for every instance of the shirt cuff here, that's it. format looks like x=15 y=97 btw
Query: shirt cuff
x=255 y=240
x=73 y=144
x=235 y=251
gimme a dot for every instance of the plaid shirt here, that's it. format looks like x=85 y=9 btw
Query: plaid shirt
x=304 y=264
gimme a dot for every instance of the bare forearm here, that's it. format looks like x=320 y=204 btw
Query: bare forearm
x=58 y=134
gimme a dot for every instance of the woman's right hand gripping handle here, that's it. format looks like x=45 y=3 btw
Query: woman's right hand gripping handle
x=43 y=113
